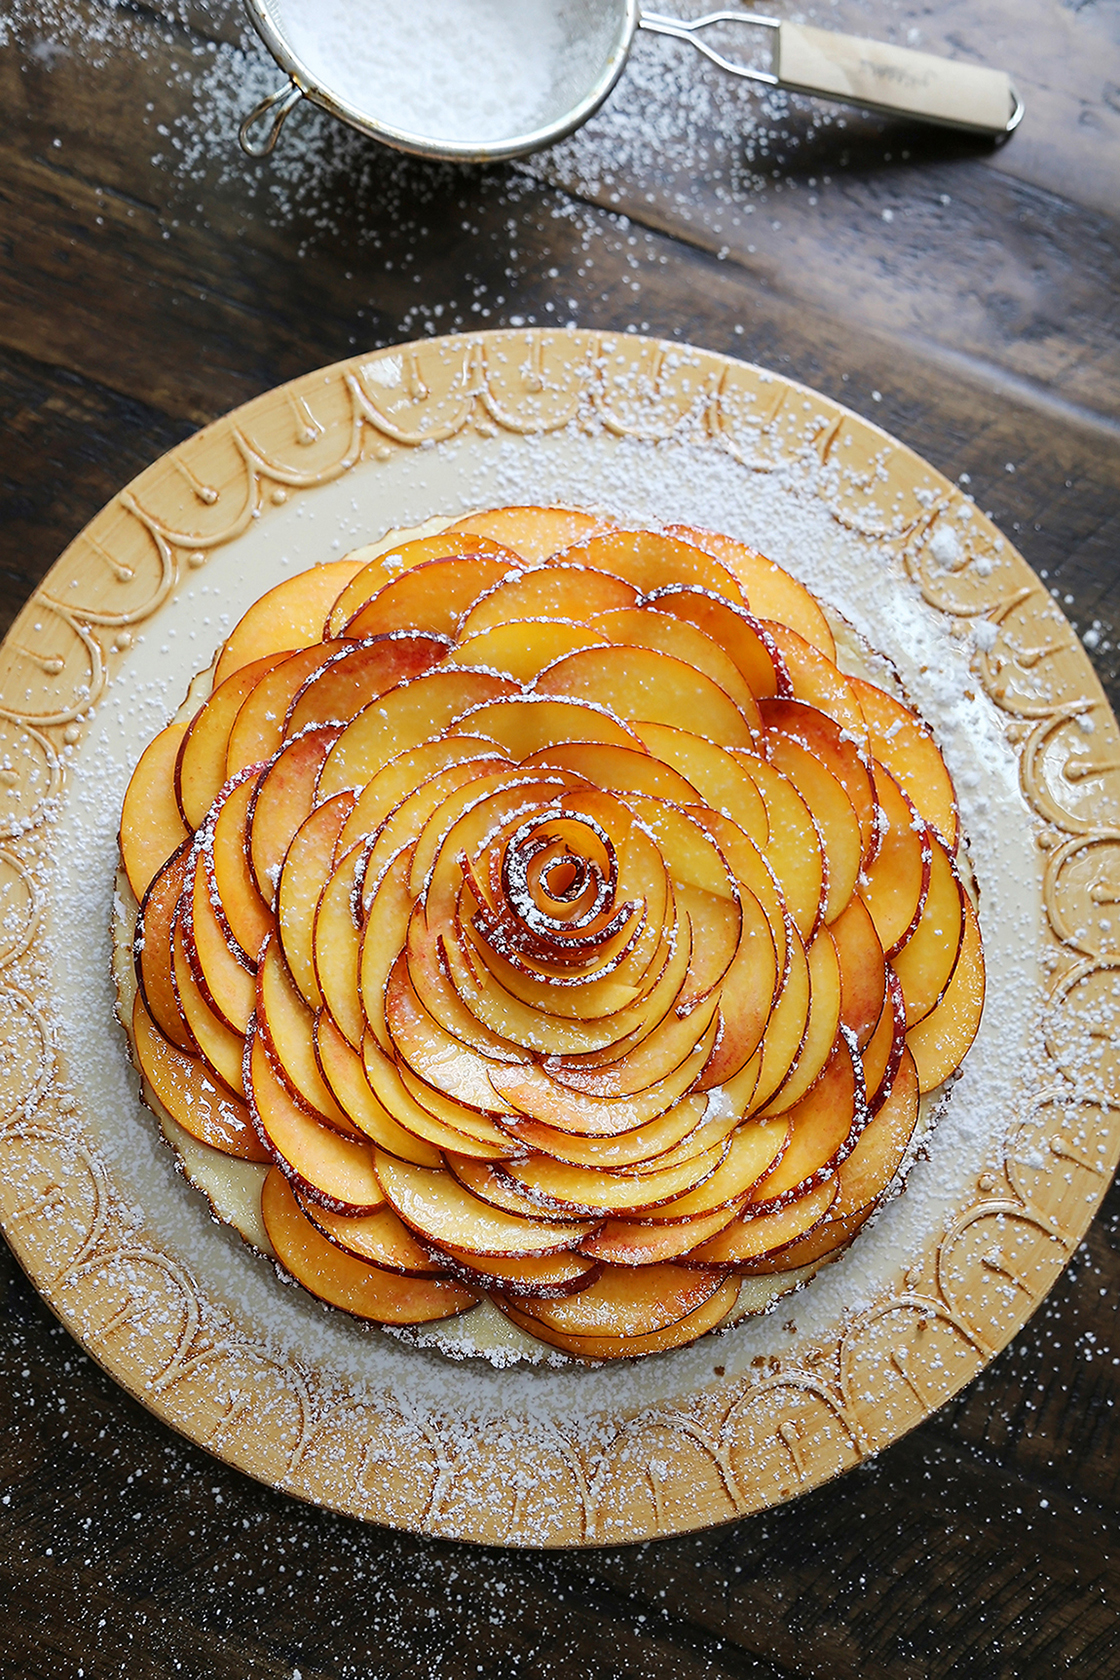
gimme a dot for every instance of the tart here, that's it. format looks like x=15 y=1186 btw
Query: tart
x=549 y=913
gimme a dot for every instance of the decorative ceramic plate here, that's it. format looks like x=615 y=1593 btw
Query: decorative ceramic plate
x=196 y=1325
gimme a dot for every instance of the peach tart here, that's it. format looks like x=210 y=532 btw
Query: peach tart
x=545 y=912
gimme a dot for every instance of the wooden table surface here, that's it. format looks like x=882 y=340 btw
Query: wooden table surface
x=964 y=297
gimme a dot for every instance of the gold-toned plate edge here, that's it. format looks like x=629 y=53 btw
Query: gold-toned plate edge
x=736 y=1447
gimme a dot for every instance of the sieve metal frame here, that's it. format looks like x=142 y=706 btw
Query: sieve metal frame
x=302 y=83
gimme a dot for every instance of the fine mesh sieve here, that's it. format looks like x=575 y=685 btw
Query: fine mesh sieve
x=484 y=80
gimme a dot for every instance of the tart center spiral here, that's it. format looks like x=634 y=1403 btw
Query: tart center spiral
x=566 y=928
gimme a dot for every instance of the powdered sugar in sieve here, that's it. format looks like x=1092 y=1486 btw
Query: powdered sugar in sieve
x=483 y=80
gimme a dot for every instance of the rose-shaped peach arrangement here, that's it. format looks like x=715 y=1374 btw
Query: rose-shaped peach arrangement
x=563 y=926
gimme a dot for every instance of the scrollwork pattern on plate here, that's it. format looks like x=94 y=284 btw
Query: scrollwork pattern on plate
x=738 y=1444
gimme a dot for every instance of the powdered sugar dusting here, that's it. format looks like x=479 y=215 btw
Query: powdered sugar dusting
x=480 y=70
x=781 y=511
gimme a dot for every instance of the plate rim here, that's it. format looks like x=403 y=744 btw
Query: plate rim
x=797 y=1424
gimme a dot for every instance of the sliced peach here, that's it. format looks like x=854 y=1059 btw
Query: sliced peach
x=787 y=1028
x=736 y=1096
x=337 y=944
x=621 y=769
x=381 y=942
x=471 y=1127
x=388 y=570
x=216 y=1042
x=758 y=1234
x=237 y=898
x=334 y=1170
x=544 y=1277
x=200 y=769
x=341 y=1279
x=431 y=596
x=258 y=729
x=379 y=1238
x=770 y=592
x=570 y=826
x=561 y=591
x=434 y=1204
x=508 y=1019
x=640 y=1065
x=825 y=1125
x=474 y=1134
x=708 y=1316
x=472 y=818
x=751 y=870
x=939 y=1042
x=555 y=966
x=227 y=981
x=882 y=1143
x=602 y=1040
x=152 y=825
x=523 y=647
x=589 y=1191
x=152 y=946
x=832 y=810
x=793 y=849
x=403 y=718
x=307 y=864
x=825 y=740
x=632 y=939
x=341 y=686
x=288 y=1026
x=820 y=1032
x=883 y=1051
x=533 y=532
x=756 y=1146
x=483 y=1181
x=610 y=994
x=721 y=1120
x=926 y=962
x=624 y=1303
x=664 y=633
x=691 y=852
x=532 y=1091
x=900 y=739
x=345 y=1076
x=526 y=723
x=627 y=1242
x=283 y=800
x=652 y=559
x=746 y=995
x=184 y=1086
x=737 y=631
x=862 y=1179
x=289 y=616
x=815 y=679
x=863 y=975
x=640 y=685
x=824 y=1241
x=715 y=773
x=643 y=1146
x=404 y=825
x=452 y=1059
x=894 y=887
x=402 y=774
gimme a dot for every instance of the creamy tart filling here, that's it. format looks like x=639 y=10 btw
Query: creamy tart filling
x=541 y=934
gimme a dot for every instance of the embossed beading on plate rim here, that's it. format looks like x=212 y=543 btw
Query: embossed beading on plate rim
x=739 y=1445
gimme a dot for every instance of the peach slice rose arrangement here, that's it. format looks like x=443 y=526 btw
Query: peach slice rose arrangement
x=556 y=919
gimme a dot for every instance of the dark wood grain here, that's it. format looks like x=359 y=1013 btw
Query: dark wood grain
x=136 y=303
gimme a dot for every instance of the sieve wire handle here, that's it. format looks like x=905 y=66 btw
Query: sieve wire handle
x=872 y=74
x=681 y=30
x=278 y=106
